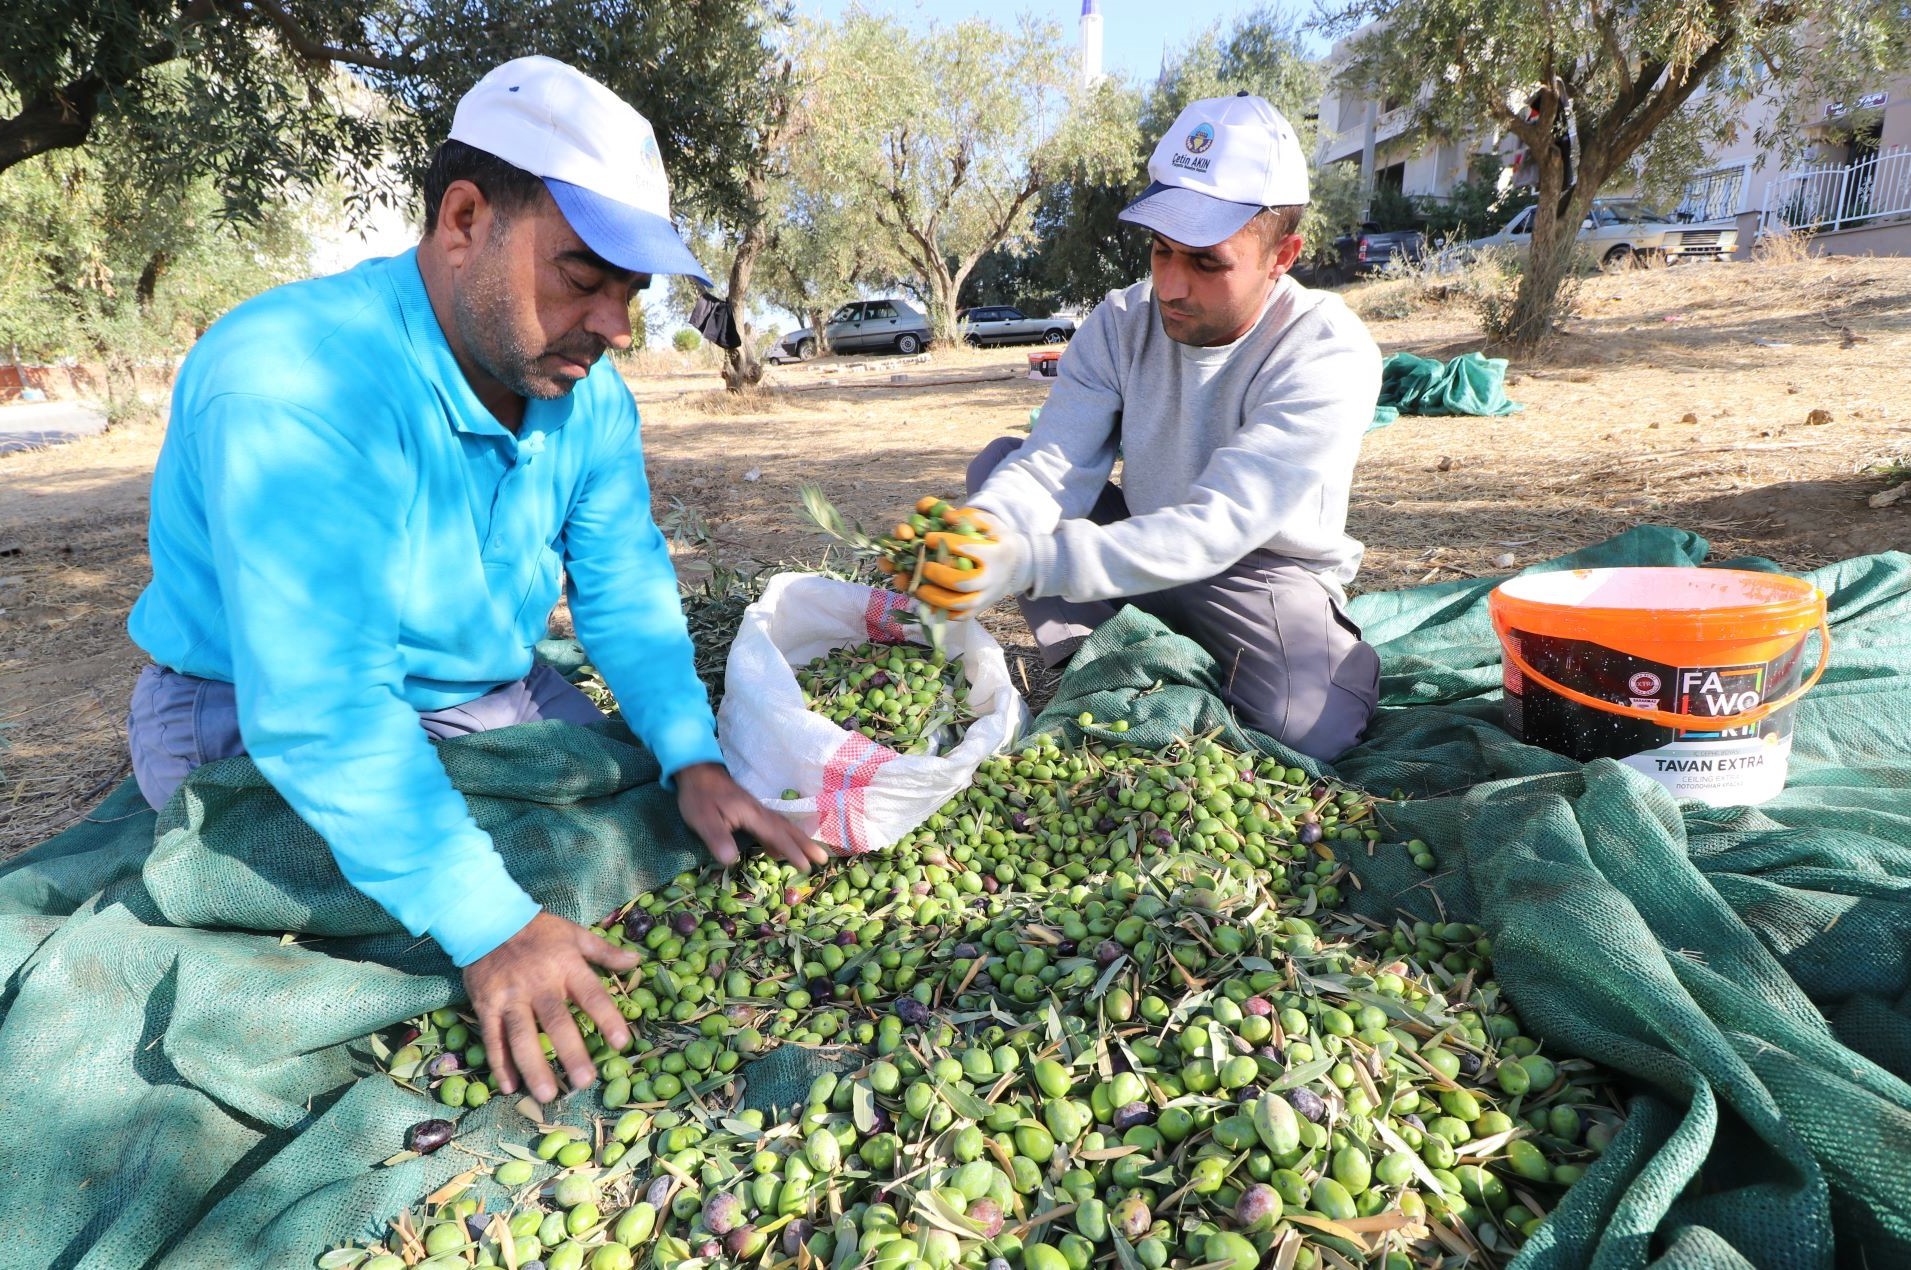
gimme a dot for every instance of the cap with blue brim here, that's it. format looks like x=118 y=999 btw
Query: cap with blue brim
x=1187 y=216
x=626 y=236
x=594 y=152
x=1224 y=160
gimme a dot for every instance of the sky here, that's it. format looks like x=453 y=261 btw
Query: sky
x=1135 y=33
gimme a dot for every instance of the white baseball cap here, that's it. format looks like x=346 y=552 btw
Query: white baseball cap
x=1225 y=159
x=596 y=154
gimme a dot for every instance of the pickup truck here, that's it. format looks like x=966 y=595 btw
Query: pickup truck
x=999 y=324
x=1370 y=250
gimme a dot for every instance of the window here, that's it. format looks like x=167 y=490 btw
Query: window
x=848 y=313
x=1712 y=195
x=1008 y=315
x=881 y=309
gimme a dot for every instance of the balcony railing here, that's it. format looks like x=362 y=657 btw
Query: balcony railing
x=1839 y=196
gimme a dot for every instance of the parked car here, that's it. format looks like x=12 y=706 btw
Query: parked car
x=1370 y=249
x=1627 y=231
x=861 y=326
x=999 y=324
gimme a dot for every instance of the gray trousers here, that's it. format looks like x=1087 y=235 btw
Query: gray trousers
x=178 y=722
x=1292 y=663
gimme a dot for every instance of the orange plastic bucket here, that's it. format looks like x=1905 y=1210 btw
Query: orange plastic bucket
x=1688 y=675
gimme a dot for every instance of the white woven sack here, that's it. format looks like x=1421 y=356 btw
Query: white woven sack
x=856 y=796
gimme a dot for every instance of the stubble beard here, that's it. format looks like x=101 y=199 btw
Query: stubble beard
x=487 y=326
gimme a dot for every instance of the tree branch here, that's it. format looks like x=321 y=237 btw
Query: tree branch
x=312 y=50
x=1633 y=133
x=57 y=120
x=1609 y=38
x=62 y=118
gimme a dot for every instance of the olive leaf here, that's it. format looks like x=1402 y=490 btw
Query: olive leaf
x=863 y=1107
x=1305 y=1074
x=963 y=1103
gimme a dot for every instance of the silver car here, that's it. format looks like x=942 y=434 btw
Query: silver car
x=860 y=326
x=999 y=324
x=1624 y=231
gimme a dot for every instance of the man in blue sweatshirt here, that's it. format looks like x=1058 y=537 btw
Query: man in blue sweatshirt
x=370 y=486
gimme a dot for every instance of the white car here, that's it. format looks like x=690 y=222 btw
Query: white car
x=999 y=324
x=1627 y=231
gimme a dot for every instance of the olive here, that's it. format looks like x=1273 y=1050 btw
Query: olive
x=1258 y=1208
x=723 y=1213
x=986 y=1215
x=428 y=1135
x=1309 y=1105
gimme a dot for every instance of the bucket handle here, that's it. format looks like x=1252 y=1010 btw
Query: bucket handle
x=1670 y=718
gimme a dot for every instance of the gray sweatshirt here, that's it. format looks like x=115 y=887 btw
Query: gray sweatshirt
x=1224 y=450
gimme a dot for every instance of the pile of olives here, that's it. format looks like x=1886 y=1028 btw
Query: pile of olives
x=912 y=699
x=1101 y=1010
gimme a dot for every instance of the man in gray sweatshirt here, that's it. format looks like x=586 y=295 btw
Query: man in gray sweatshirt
x=1236 y=400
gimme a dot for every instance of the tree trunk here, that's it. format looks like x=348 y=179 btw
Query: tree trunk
x=942 y=303
x=1557 y=216
x=742 y=367
x=149 y=281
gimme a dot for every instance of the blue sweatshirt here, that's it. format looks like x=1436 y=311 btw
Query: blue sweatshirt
x=345 y=533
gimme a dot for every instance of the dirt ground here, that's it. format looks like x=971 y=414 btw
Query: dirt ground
x=1752 y=403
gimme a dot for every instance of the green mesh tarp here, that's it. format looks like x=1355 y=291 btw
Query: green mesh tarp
x=183 y=1069
x=1470 y=384
x=1750 y=968
x=187 y=994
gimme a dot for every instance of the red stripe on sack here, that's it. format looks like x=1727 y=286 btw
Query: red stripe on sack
x=840 y=805
x=879 y=616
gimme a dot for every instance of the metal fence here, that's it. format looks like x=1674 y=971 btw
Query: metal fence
x=1838 y=196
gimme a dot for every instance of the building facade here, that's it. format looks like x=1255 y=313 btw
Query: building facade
x=1848 y=183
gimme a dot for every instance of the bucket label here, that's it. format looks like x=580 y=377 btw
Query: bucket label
x=1722 y=766
x=1711 y=692
x=1745 y=769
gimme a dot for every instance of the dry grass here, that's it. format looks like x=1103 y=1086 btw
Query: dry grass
x=1680 y=396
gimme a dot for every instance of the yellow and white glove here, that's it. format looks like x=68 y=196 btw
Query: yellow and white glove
x=1000 y=567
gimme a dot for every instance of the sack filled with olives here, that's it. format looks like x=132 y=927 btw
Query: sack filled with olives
x=834 y=716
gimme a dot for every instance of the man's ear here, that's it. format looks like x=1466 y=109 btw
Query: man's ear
x=460 y=212
x=1285 y=255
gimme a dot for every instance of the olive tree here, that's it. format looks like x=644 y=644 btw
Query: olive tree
x=946 y=138
x=1608 y=90
x=258 y=95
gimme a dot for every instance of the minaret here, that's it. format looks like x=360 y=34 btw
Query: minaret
x=1091 y=43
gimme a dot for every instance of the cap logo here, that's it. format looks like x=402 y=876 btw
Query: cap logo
x=1200 y=139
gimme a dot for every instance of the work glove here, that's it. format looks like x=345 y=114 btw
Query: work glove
x=1000 y=566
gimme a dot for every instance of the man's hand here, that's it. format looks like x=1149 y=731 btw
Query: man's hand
x=526 y=984
x=716 y=807
x=1001 y=567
